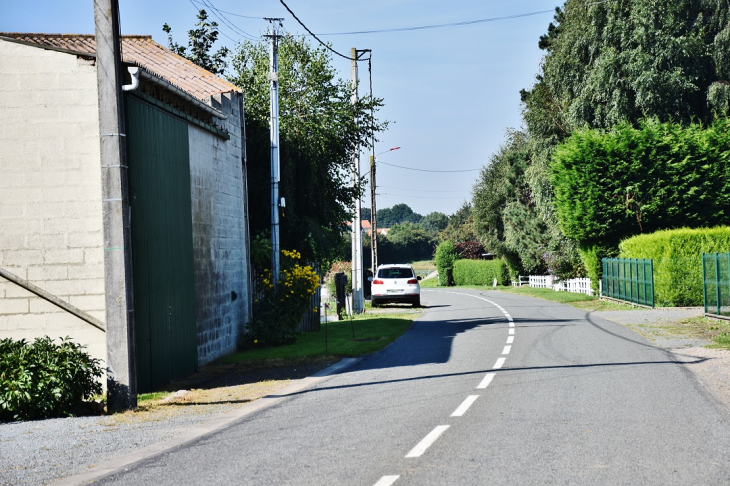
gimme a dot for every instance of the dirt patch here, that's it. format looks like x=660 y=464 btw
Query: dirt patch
x=713 y=370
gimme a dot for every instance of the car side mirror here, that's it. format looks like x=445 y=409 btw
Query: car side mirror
x=418 y=277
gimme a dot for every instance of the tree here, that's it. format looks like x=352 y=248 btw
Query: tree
x=200 y=43
x=398 y=214
x=319 y=131
x=435 y=222
x=409 y=243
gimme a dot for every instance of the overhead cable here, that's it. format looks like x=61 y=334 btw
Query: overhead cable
x=317 y=38
x=427 y=170
x=438 y=26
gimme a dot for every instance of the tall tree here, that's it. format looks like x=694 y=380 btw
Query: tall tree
x=398 y=214
x=200 y=45
x=320 y=130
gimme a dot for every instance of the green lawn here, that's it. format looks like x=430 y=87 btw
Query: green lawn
x=372 y=332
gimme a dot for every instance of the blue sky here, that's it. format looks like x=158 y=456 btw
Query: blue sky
x=450 y=92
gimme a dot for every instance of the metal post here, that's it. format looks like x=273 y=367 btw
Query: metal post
x=274 y=135
x=651 y=268
x=704 y=282
x=717 y=279
x=357 y=290
x=121 y=371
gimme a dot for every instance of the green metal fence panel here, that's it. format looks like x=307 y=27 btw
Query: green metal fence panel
x=716 y=283
x=629 y=279
x=162 y=245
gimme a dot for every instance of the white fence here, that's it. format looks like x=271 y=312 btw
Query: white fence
x=575 y=285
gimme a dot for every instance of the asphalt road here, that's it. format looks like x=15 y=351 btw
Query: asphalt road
x=486 y=388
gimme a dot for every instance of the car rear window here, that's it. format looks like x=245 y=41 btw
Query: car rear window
x=395 y=272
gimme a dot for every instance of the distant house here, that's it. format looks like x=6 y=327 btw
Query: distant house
x=367 y=227
x=185 y=145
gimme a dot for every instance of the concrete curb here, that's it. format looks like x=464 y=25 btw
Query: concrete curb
x=117 y=464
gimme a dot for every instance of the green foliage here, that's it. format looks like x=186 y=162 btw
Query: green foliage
x=592 y=255
x=613 y=184
x=44 y=379
x=277 y=314
x=404 y=243
x=445 y=258
x=677 y=256
x=480 y=272
x=201 y=42
x=320 y=130
x=398 y=214
x=335 y=268
x=434 y=222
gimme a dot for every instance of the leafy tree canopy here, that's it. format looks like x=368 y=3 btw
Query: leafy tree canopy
x=320 y=130
x=200 y=44
x=398 y=214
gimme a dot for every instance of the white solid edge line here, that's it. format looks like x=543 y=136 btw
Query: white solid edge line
x=499 y=363
x=465 y=405
x=386 y=480
x=486 y=381
x=512 y=331
x=427 y=441
x=507 y=349
x=510 y=339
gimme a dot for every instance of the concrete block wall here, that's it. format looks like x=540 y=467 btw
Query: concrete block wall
x=50 y=194
x=219 y=233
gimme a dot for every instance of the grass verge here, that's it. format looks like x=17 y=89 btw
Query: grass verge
x=366 y=333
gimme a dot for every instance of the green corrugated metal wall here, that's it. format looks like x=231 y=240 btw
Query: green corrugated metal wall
x=162 y=244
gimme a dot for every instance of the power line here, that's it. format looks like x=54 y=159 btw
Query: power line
x=416 y=197
x=414 y=190
x=438 y=26
x=426 y=170
x=317 y=38
x=226 y=21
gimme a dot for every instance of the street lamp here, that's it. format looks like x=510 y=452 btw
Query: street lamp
x=373 y=222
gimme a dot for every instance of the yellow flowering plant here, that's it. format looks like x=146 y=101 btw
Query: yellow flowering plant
x=278 y=312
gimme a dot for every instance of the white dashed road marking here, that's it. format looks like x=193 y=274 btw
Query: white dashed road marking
x=507 y=349
x=427 y=441
x=486 y=381
x=499 y=363
x=465 y=406
x=510 y=339
x=386 y=480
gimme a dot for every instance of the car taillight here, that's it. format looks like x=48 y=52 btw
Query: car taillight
x=413 y=281
x=377 y=282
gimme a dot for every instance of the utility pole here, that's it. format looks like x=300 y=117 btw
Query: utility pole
x=358 y=300
x=373 y=218
x=274 y=135
x=119 y=297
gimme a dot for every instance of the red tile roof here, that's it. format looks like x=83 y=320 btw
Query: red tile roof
x=142 y=51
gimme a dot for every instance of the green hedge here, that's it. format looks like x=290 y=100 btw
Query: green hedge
x=677 y=256
x=44 y=379
x=480 y=272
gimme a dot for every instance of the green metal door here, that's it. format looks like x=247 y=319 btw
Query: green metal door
x=162 y=244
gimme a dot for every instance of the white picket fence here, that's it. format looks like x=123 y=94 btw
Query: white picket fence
x=541 y=281
x=575 y=285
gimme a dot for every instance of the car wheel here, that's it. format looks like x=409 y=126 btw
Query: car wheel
x=374 y=304
x=417 y=302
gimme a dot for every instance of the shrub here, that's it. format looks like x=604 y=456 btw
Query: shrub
x=44 y=379
x=480 y=272
x=472 y=250
x=445 y=258
x=278 y=313
x=339 y=267
x=677 y=256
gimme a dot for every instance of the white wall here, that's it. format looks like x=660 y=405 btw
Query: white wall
x=50 y=194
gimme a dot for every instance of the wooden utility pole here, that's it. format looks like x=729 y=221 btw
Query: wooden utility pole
x=121 y=370
x=373 y=218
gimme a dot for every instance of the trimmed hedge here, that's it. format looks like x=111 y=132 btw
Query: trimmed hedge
x=445 y=257
x=480 y=272
x=677 y=256
x=43 y=379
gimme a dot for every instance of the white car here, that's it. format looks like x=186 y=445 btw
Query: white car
x=395 y=283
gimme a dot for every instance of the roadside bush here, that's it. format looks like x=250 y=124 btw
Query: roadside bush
x=677 y=256
x=338 y=267
x=278 y=313
x=480 y=272
x=44 y=379
x=444 y=258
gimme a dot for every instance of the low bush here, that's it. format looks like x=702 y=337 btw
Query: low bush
x=480 y=272
x=677 y=256
x=278 y=313
x=43 y=379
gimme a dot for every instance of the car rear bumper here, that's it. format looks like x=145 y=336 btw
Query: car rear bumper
x=395 y=298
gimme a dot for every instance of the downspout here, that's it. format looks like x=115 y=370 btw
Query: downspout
x=134 y=73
